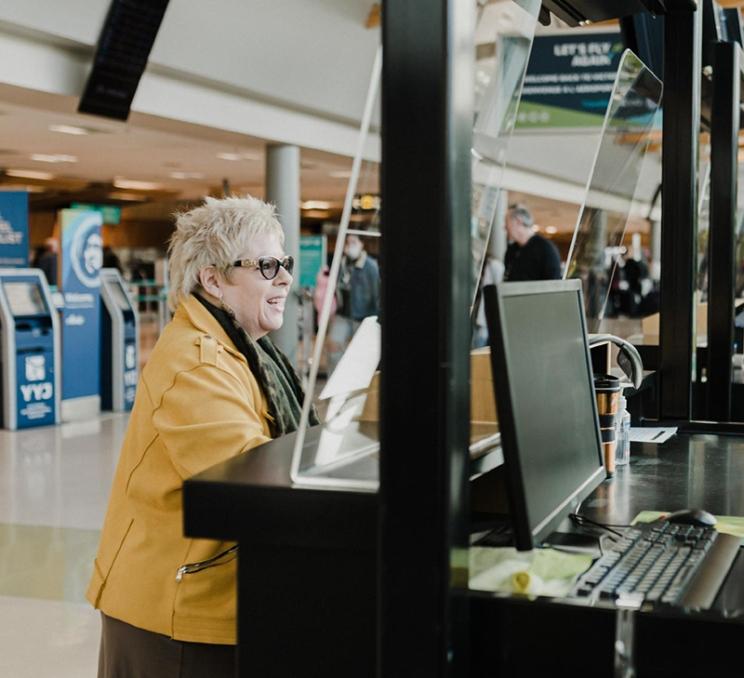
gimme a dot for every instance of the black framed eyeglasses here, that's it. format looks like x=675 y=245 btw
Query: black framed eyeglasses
x=269 y=266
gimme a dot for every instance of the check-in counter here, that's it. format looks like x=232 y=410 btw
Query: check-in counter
x=308 y=572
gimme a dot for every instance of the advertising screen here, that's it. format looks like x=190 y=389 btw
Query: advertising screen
x=24 y=298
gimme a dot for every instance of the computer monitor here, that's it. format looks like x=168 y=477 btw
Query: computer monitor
x=547 y=411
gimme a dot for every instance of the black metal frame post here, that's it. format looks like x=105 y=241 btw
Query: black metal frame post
x=427 y=109
x=724 y=138
x=682 y=73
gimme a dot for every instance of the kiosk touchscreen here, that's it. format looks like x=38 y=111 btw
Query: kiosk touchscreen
x=119 y=336
x=29 y=350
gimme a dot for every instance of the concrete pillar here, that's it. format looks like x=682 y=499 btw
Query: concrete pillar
x=283 y=190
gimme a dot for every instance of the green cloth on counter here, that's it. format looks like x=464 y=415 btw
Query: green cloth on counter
x=726 y=524
x=541 y=572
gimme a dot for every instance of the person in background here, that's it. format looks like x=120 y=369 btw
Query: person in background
x=321 y=287
x=110 y=259
x=529 y=255
x=46 y=258
x=215 y=386
x=359 y=291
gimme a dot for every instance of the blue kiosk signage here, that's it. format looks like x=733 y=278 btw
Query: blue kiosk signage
x=29 y=350
x=82 y=257
x=13 y=229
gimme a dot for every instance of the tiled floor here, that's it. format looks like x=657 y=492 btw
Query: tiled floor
x=54 y=485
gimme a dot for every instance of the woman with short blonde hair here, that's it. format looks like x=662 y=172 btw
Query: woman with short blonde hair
x=214 y=386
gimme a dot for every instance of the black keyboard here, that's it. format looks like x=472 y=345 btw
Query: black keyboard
x=663 y=564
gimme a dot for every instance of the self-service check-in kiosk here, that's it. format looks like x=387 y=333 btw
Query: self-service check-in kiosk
x=30 y=350
x=119 y=335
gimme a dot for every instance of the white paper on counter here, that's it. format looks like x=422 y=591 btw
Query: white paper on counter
x=651 y=435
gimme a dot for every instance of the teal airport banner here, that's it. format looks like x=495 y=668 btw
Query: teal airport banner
x=569 y=80
x=82 y=257
x=312 y=258
x=13 y=229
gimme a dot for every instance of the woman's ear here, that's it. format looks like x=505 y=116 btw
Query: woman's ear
x=211 y=281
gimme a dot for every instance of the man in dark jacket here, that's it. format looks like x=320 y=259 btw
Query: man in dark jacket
x=529 y=255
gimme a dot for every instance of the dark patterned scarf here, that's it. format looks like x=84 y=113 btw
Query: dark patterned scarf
x=275 y=375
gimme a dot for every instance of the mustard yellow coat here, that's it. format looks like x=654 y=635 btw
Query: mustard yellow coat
x=197 y=404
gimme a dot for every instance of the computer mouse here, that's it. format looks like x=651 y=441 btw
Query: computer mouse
x=696 y=517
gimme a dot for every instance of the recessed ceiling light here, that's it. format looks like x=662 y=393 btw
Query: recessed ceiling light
x=136 y=185
x=57 y=157
x=238 y=156
x=187 y=175
x=551 y=230
x=69 y=129
x=22 y=187
x=316 y=205
x=340 y=174
x=29 y=174
x=121 y=195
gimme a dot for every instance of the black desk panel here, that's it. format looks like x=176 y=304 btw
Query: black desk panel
x=307 y=564
x=308 y=573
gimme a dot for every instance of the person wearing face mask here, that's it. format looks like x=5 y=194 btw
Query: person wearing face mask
x=359 y=296
x=215 y=386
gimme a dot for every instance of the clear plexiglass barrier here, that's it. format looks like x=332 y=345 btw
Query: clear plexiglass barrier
x=499 y=78
x=340 y=450
x=612 y=196
x=342 y=384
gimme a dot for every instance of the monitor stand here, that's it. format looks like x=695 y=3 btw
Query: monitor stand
x=491 y=529
x=575 y=542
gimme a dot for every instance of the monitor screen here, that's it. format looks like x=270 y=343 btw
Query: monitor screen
x=119 y=295
x=733 y=25
x=545 y=398
x=24 y=298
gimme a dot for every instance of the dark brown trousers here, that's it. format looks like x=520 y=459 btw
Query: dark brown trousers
x=130 y=652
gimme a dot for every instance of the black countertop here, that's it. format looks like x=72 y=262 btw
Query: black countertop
x=687 y=471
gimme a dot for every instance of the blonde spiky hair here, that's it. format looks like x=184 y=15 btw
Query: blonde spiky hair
x=215 y=234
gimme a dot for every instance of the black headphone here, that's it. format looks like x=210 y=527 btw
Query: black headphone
x=629 y=359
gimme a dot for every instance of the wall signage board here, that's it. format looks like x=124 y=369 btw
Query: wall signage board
x=569 y=80
x=312 y=258
x=82 y=257
x=13 y=229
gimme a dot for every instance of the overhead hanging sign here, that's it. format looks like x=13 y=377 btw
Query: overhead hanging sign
x=569 y=80
x=111 y=213
x=13 y=229
x=82 y=257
